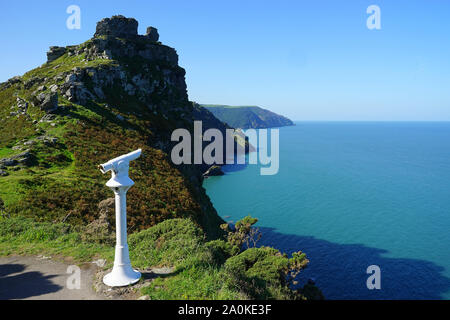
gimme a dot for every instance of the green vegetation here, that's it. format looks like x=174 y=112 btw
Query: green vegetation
x=245 y=117
x=202 y=269
x=210 y=270
x=19 y=235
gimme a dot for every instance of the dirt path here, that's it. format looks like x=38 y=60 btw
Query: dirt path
x=40 y=278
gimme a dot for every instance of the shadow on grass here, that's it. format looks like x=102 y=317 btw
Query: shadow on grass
x=340 y=269
x=159 y=273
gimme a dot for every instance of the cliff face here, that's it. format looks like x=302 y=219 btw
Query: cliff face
x=248 y=117
x=117 y=92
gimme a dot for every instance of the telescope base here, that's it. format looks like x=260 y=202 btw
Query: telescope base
x=121 y=276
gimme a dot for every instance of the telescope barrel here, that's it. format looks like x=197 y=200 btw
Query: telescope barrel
x=104 y=168
x=107 y=166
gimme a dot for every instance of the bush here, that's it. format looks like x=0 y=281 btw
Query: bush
x=220 y=250
x=242 y=234
x=169 y=243
x=263 y=272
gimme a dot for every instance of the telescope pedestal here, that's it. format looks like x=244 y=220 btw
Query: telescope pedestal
x=122 y=273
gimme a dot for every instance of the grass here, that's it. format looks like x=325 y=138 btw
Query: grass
x=178 y=243
x=65 y=63
x=24 y=236
x=5 y=152
x=199 y=272
x=181 y=244
x=10 y=190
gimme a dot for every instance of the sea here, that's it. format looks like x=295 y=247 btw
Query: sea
x=353 y=195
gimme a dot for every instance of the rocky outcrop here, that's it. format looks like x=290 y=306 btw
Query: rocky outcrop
x=214 y=171
x=10 y=82
x=47 y=102
x=24 y=158
x=31 y=82
x=55 y=52
x=116 y=38
x=21 y=108
x=117 y=26
x=137 y=47
x=152 y=34
x=74 y=89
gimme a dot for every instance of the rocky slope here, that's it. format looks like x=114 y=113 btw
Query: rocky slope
x=248 y=117
x=116 y=92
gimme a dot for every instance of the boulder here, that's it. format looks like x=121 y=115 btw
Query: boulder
x=31 y=82
x=8 y=162
x=117 y=26
x=47 y=140
x=214 y=171
x=152 y=34
x=24 y=158
x=54 y=88
x=46 y=101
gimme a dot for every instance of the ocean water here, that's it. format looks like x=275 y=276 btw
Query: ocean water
x=351 y=195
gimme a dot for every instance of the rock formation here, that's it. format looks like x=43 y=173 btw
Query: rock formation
x=117 y=26
x=214 y=171
x=55 y=52
x=152 y=34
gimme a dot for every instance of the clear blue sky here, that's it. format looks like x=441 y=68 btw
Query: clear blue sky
x=308 y=60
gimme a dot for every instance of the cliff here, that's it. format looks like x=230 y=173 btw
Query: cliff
x=248 y=117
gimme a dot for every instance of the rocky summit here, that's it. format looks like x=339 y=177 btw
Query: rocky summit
x=117 y=26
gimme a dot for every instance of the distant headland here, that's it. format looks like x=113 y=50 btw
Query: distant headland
x=246 y=117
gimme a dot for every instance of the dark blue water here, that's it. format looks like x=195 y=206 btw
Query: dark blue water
x=351 y=195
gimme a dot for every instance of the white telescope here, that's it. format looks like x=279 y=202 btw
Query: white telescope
x=122 y=273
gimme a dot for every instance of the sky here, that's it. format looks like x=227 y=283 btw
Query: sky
x=312 y=60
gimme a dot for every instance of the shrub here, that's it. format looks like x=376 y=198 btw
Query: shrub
x=170 y=243
x=262 y=272
x=242 y=234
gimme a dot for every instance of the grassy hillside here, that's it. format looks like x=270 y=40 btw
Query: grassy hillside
x=101 y=113
x=248 y=116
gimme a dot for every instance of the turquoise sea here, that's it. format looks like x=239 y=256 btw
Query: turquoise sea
x=351 y=195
